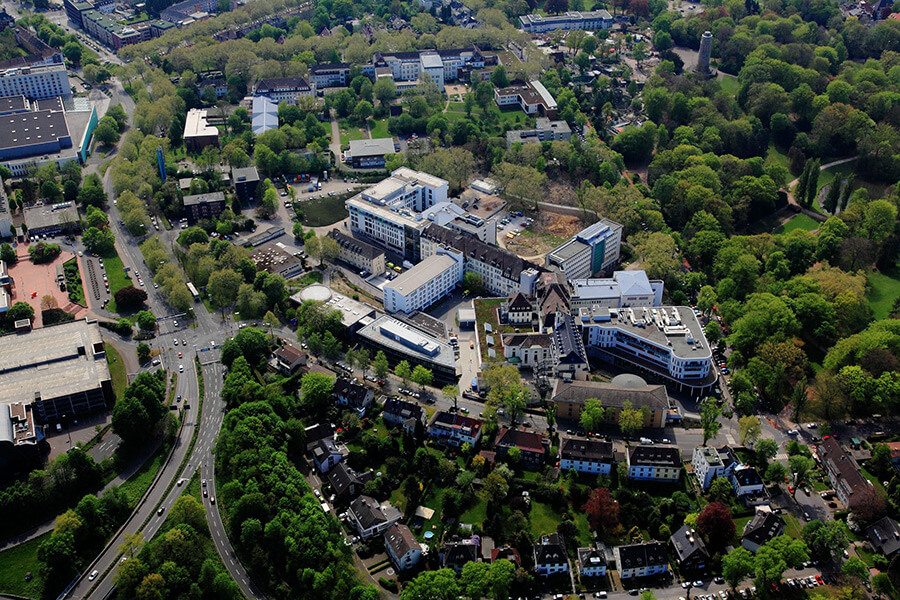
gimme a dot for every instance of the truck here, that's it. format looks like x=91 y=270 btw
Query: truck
x=325 y=176
x=312 y=188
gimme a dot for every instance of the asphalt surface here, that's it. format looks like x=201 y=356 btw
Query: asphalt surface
x=199 y=338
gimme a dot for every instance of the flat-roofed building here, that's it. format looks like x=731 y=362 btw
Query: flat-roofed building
x=623 y=289
x=198 y=134
x=595 y=249
x=245 y=181
x=204 y=206
x=423 y=285
x=389 y=213
x=354 y=314
x=402 y=341
x=61 y=369
x=371 y=152
x=35 y=82
x=51 y=218
x=330 y=75
x=532 y=98
x=545 y=130
x=358 y=253
x=275 y=258
x=586 y=19
x=26 y=134
x=666 y=341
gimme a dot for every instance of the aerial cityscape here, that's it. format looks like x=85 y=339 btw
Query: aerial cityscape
x=449 y=299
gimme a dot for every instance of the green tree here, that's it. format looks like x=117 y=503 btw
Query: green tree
x=709 y=419
x=833 y=197
x=8 y=254
x=630 y=419
x=737 y=565
x=749 y=430
x=494 y=488
x=592 y=415
x=432 y=585
x=315 y=390
x=403 y=371
x=801 y=469
x=380 y=365
x=766 y=449
x=451 y=394
x=223 y=287
x=856 y=569
x=20 y=310
x=143 y=352
x=421 y=376
x=776 y=473
x=146 y=320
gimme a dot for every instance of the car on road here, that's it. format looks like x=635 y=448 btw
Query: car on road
x=160 y=511
x=179 y=355
x=205 y=493
x=792 y=432
x=181 y=482
x=93 y=575
x=181 y=368
x=212 y=499
x=203 y=482
x=317 y=493
x=183 y=342
x=176 y=341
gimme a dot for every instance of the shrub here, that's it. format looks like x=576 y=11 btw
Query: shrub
x=388 y=584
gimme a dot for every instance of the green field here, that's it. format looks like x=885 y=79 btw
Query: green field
x=15 y=563
x=884 y=289
x=543 y=519
x=350 y=132
x=379 y=128
x=776 y=156
x=730 y=84
x=801 y=221
x=117 y=278
x=323 y=211
x=116 y=370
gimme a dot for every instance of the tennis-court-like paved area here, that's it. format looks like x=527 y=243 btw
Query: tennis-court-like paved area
x=33 y=282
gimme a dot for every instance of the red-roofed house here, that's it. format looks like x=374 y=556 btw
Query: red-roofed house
x=534 y=447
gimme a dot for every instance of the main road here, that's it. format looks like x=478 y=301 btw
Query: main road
x=201 y=339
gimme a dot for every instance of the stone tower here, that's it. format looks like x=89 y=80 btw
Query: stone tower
x=705 y=51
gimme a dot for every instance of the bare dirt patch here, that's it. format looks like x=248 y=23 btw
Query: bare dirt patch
x=549 y=230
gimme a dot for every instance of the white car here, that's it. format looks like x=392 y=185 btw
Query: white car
x=93 y=575
x=181 y=368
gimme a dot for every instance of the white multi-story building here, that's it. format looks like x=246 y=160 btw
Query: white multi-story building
x=424 y=284
x=623 y=289
x=35 y=83
x=284 y=88
x=589 y=20
x=390 y=212
x=595 y=249
x=502 y=272
x=330 y=75
x=586 y=456
x=666 y=341
x=710 y=463
x=439 y=66
x=532 y=98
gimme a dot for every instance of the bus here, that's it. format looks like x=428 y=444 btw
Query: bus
x=193 y=291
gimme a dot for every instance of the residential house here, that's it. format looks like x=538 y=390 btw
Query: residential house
x=519 y=310
x=762 y=528
x=586 y=456
x=591 y=562
x=654 y=463
x=550 y=556
x=456 y=554
x=346 y=483
x=690 y=551
x=403 y=413
x=402 y=547
x=354 y=395
x=327 y=453
x=746 y=482
x=846 y=478
x=287 y=359
x=641 y=560
x=884 y=535
x=533 y=447
x=316 y=433
x=709 y=463
x=370 y=518
x=454 y=429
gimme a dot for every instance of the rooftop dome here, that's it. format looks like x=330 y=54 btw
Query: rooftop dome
x=628 y=380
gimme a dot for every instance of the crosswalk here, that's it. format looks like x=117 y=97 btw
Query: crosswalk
x=781 y=456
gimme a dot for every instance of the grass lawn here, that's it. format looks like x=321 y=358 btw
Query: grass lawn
x=874 y=480
x=884 y=289
x=800 y=221
x=730 y=84
x=323 y=211
x=793 y=527
x=350 y=132
x=116 y=370
x=117 y=278
x=477 y=514
x=543 y=518
x=457 y=107
x=585 y=538
x=136 y=485
x=15 y=563
x=379 y=128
